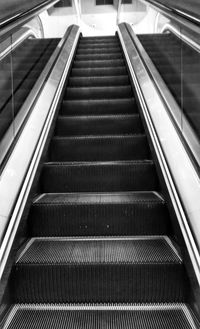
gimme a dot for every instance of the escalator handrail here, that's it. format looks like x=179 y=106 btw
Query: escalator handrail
x=175 y=13
x=180 y=175
x=24 y=33
x=9 y=24
x=20 y=170
x=169 y=28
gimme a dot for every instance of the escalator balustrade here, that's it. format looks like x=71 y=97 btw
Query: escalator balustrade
x=179 y=65
x=19 y=71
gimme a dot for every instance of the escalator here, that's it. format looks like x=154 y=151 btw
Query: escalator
x=179 y=65
x=100 y=249
x=19 y=71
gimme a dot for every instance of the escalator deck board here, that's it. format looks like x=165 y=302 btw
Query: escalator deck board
x=174 y=316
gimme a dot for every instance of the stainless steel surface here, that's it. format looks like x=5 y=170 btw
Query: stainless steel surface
x=18 y=121
x=181 y=178
x=8 y=25
x=18 y=174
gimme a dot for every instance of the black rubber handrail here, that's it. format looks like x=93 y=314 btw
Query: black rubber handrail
x=8 y=24
x=175 y=11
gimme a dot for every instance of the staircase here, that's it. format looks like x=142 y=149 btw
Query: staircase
x=99 y=252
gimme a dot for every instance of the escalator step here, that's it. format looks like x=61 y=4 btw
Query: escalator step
x=99 y=148
x=99 y=107
x=92 y=81
x=98 y=125
x=101 y=39
x=98 y=63
x=108 y=317
x=99 y=270
x=61 y=177
x=98 y=50
x=102 y=72
x=89 y=214
x=98 y=56
x=98 y=92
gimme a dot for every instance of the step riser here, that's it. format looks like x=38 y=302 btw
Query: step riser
x=102 y=150
x=98 y=93
x=99 y=81
x=99 y=126
x=109 y=71
x=101 y=178
x=100 y=43
x=98 y=64
x=99 y=219
x=96 y=108
x=99 y=283
x=98 y=50
x=101 y=56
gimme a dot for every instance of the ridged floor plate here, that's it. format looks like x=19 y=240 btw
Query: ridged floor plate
x=171 y=316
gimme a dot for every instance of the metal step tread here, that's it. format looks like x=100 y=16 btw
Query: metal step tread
x=137 y=316
x=102 y=250
x=52 y=199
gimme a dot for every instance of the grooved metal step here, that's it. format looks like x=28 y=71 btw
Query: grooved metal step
x=98 y=63
x=98 y=125
x=98 y=56
x=142 y=269
x=99 y=176
x=102 y=71
x=164 y=316
x=99 y=214
x=96 y=50
x=98 y=92
x=99 y=148
x=99 y=106
x=92 y=81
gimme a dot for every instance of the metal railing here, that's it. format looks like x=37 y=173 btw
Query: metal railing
x=174 y=12
x=9 y=24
